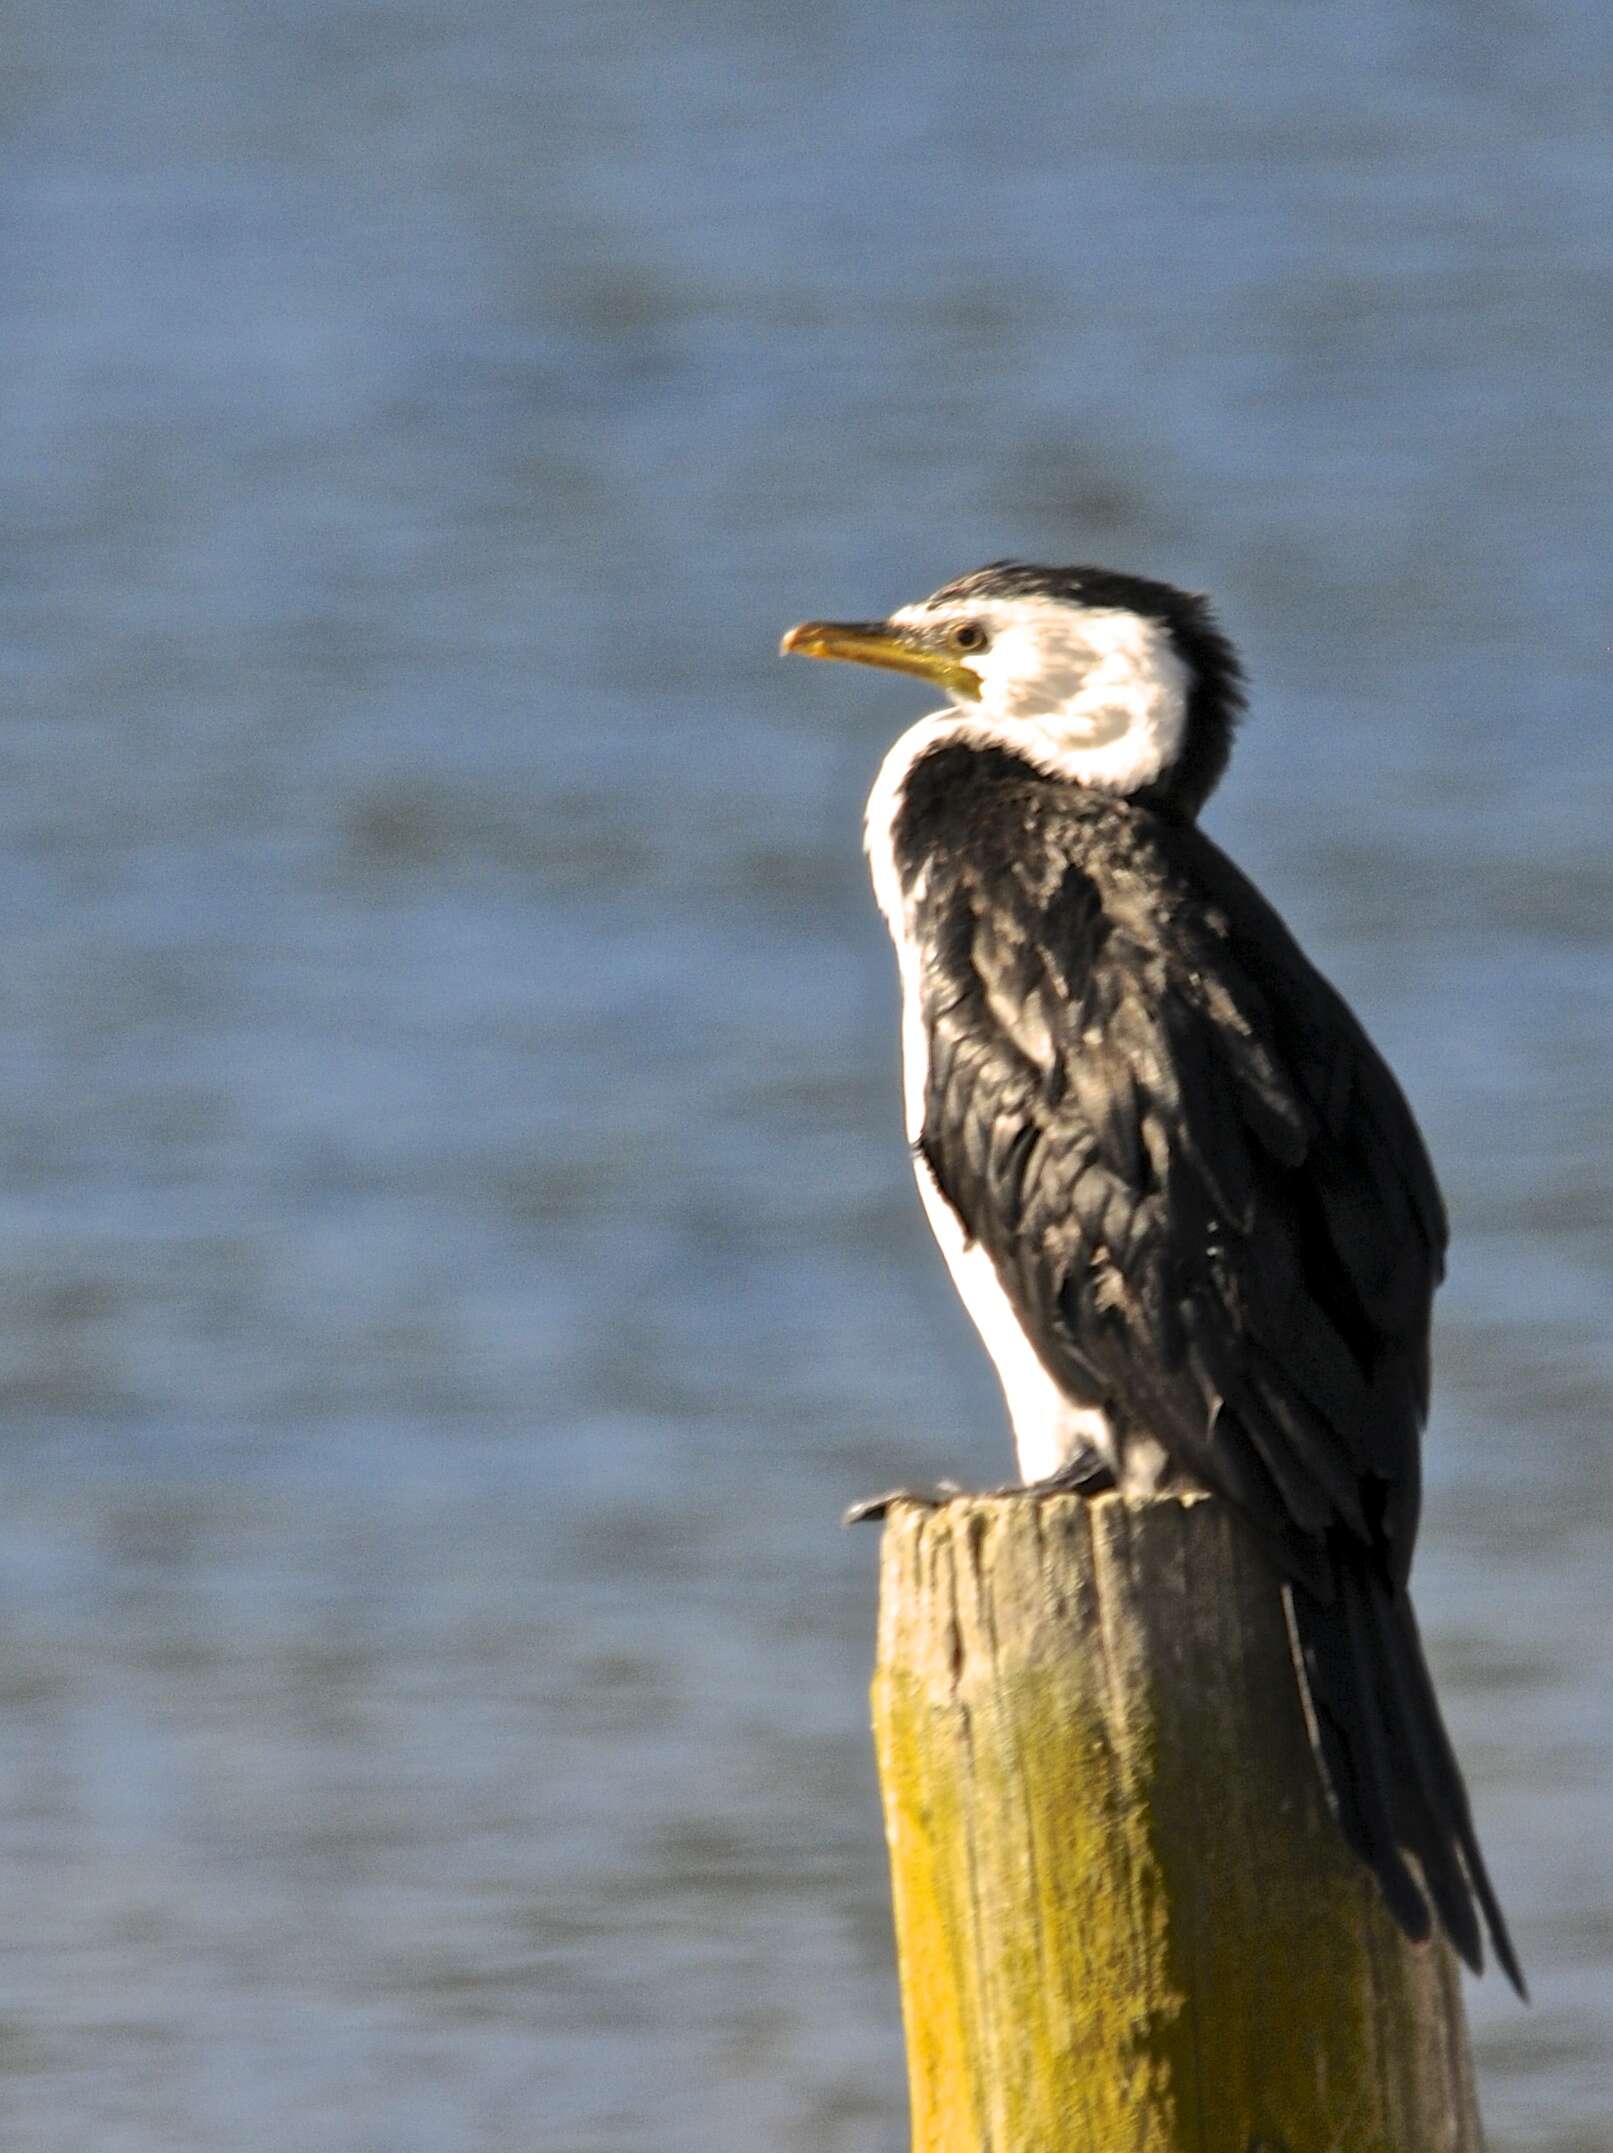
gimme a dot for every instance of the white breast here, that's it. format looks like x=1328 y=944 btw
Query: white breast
x=1049 y=1428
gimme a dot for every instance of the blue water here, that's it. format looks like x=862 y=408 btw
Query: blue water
x=457 y=1250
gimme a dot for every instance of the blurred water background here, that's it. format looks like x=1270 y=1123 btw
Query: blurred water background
x=458 y=1255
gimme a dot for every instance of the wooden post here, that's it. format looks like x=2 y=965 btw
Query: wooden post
x=1125 y=1921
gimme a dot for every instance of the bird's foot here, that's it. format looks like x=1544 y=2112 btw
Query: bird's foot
x=1084 y=1474
x=874 y=1507
x=1087 y=1473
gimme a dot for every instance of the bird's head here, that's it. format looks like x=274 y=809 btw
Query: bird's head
x=1108 y=680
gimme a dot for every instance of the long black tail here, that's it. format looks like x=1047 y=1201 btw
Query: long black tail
x=1387 y=1764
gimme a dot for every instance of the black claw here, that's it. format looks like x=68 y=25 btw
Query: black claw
x=874 y=1507
x=1085 y=1474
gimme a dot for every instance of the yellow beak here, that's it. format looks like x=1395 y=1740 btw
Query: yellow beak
x=876 y=642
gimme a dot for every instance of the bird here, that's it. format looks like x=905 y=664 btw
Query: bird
x=1179 y=1191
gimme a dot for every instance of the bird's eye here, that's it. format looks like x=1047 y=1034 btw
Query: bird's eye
x=969 y=635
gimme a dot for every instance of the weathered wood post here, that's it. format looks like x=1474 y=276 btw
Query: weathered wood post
x=1125 y=1922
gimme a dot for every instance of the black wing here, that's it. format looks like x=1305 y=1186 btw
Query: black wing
x=1208 y=1201
x=1202 y=1188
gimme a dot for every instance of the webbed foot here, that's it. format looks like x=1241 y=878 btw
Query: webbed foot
x=1087 y=1473
x=874 y=1507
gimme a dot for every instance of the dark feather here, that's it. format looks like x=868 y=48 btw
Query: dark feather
x=1212 y=1212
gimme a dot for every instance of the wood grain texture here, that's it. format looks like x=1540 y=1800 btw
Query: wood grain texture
x=1125 y=1921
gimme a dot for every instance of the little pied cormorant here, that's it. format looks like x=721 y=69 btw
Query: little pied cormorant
x=1180 y=1193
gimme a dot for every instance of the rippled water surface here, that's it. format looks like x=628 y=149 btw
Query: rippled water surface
x=458 y=1253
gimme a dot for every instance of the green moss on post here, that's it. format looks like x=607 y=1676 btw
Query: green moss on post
x=1125 y=1922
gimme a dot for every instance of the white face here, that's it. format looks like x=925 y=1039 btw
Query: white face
x=1098 y=695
